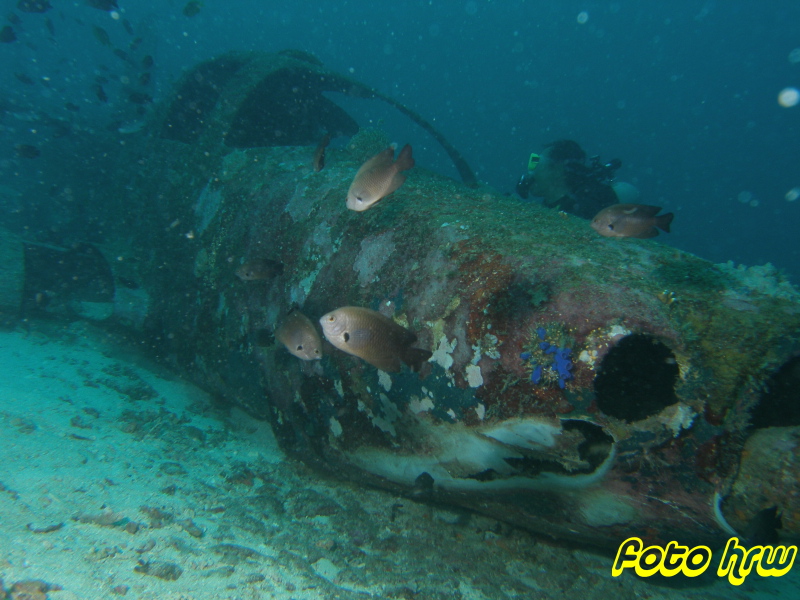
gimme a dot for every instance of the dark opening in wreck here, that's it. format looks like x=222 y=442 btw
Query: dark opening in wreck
x=779 y=405
x=609 y=443
x=636 y=379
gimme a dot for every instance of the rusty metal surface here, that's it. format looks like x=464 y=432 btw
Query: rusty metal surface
x=582 y=387
x=642 y=435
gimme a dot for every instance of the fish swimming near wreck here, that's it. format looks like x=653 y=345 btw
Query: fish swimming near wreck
x=300 y=337
x=259 y=269
x=192 y=8
x=100 y=92
x=23 y=78
x=631 y=220
x=378 y=177
x=373 y=337
x=27 y=151
x=34 y=6
x=101 y=35
x=7 y=35
x=319 y=153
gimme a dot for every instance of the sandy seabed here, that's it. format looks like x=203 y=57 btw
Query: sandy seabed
x=118 y=479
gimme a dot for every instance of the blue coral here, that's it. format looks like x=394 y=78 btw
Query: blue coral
x=562 y=364
x=561 y=367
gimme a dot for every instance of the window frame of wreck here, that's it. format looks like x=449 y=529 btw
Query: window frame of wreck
x=636 y=378
x=300 y=114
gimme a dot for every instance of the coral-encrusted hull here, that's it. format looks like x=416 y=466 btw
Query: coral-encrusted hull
x=585 y=387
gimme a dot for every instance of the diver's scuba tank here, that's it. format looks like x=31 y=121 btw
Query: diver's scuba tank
x=626 y=193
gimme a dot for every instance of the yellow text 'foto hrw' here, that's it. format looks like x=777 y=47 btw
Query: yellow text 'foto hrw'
x=736 y=564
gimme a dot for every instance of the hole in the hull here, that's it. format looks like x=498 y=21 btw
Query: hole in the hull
x=779 y=405
x=636 y=379
x=594 y=450
x=597 y=444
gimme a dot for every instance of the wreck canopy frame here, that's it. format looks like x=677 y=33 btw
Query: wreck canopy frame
x=253 y=99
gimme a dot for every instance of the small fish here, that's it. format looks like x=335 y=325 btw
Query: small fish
x=7 y=35
x=14 y=19
x=135 y=43
x=319 y=153
x=71 y=106
x=300 y=337
x=192 y=8
x=101 y=35
x=106 y=5
x=127 y=25
x=100 y=92
x=50 y=27
x=23 y=78
x=144 y=78
x=121 y=54
x=631 y=220
x=27 y=151
x=148 y=62
x=34 y=6
x=378 y=177
x=262 y=268
x=373 y=337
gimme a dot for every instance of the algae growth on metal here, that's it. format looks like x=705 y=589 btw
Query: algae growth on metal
x=581 y=386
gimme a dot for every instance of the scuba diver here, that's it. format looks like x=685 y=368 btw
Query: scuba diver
x=566 y=181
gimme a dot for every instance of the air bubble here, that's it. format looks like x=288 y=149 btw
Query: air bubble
x=789 y=97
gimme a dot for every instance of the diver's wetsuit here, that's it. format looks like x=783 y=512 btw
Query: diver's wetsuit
x=588 y=184
x=587 y=196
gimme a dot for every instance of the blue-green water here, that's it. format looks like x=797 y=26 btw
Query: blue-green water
x=686 y=94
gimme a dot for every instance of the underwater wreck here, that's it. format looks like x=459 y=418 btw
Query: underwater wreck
x=581 y=387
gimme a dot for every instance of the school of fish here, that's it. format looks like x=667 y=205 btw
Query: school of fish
x=370 y=335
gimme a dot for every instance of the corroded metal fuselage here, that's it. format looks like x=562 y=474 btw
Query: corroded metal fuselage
x=580 y=386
